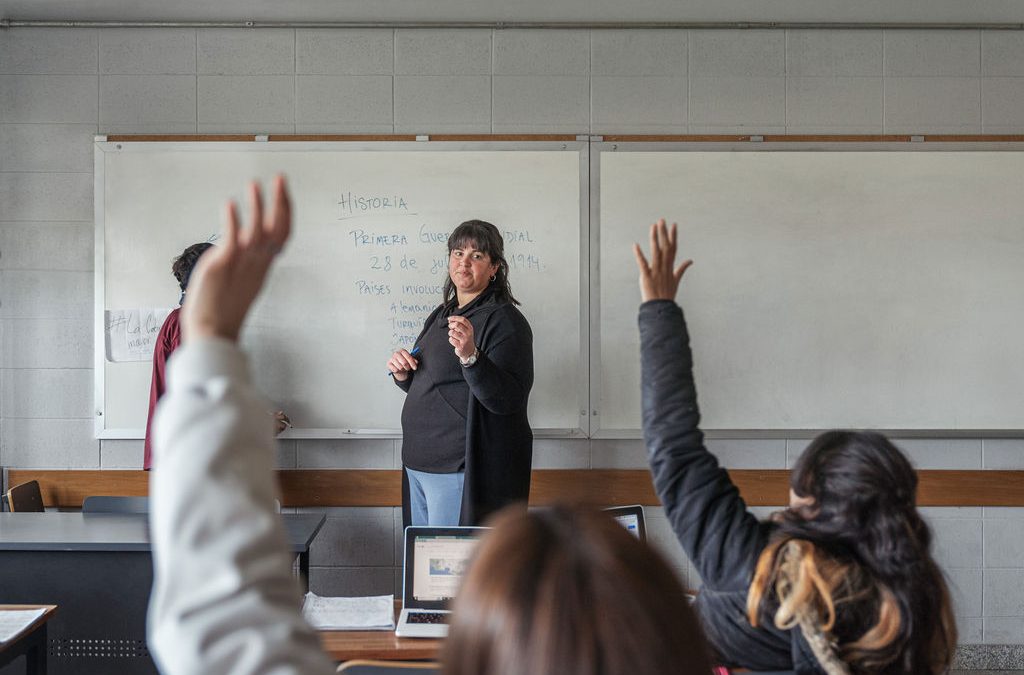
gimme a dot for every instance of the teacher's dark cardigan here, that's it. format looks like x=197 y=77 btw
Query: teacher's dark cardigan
x=499 y=441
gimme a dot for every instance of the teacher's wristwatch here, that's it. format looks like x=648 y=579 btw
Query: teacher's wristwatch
x=469 y=360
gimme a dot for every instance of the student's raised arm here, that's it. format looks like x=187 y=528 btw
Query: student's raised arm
x=703 y=506
x=224 y=599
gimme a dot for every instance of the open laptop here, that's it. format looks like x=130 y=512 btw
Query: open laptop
x=631 y=518
x=435 y=560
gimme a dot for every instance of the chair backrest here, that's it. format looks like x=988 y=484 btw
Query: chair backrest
x=359 y=667
x=26 y=497
x=109 y=504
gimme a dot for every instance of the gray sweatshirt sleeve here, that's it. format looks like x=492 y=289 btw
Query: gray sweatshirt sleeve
x=224 y=598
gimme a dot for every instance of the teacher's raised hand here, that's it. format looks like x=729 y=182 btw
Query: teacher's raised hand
x=659 y=280
x=229 y=277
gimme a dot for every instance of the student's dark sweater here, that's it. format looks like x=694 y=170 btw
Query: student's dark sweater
x=703 y=506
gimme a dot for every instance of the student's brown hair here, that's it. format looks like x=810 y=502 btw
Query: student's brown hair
x=854 y=567
x=568 y=591
x=183 y=265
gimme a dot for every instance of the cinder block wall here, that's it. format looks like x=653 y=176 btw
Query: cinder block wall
x=59 y=87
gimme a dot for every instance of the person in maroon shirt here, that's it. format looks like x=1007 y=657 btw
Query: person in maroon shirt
x=168 y=340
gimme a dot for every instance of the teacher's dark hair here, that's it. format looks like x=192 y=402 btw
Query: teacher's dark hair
x=859 y=559
x=568 y=591
x=184 y=264
x=486 y=238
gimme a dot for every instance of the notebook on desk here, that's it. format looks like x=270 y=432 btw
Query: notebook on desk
x=435 y=560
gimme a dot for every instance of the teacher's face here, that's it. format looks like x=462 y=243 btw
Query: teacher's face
x=470 y=270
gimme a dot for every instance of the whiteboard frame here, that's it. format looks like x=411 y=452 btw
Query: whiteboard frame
x=102 y=146
x=600 y=145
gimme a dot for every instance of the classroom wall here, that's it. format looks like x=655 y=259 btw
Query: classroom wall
x=59 y=87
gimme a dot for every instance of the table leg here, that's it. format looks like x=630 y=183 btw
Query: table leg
x=304 y=570
x=35 y=656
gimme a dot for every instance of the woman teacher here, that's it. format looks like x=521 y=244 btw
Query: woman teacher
x=467 y=446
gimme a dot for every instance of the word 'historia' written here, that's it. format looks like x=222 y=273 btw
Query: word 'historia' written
x=402 y=259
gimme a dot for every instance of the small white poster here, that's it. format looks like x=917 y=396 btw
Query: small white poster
x=131 y=333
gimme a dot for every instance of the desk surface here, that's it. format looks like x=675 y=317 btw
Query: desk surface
x=50 y=609
x=114 y=531
x=346 y=645
x=381 y=645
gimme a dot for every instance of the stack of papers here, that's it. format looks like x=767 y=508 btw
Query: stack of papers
x=14 y=621
x=372 y=613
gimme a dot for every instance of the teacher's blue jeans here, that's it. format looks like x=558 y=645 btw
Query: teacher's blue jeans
x=435 y=499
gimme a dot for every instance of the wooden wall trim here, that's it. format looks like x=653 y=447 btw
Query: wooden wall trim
x=333 y=138
x=546 y=138
x=611 y=138
x=178 y=138
x=67 y=488
x=382 y=487
x=764 y=138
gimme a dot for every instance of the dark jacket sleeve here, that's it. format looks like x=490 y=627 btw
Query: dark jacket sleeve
x=701 y=503
x=502 y=377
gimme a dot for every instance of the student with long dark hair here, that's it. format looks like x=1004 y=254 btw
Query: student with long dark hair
x=841 y=582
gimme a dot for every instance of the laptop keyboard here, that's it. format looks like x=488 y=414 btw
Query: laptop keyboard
x=426 y=617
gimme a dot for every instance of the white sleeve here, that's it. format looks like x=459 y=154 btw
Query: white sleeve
x=224 y=598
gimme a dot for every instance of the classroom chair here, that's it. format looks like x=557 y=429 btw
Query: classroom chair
x=110 y=504
x=26 y=498
x=359 y=667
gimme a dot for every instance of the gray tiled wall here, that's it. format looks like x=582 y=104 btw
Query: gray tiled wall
x=59 y=87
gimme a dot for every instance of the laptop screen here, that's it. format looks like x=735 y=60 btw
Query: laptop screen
x=435 y=561
x=631 y=518
x=631 y=522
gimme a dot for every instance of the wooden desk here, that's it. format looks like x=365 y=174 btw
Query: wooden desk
x=346 y=645
x=380 y=645
x=31 y=642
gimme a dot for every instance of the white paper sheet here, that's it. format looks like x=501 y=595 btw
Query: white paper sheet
x=13 y=621
x=131 y=333
x=370 y=613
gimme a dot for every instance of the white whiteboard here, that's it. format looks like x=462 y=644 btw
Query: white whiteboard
x=830 y=289
x=364 y=267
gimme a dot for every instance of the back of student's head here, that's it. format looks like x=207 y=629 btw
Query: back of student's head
x=568 y=591
x=183 y=265
x=859 y=556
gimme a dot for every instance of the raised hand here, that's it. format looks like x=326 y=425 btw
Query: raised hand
x=230 y=275
x=658 y=279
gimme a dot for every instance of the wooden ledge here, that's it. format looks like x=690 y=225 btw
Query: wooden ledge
x=336 y=138
x=607 y=487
